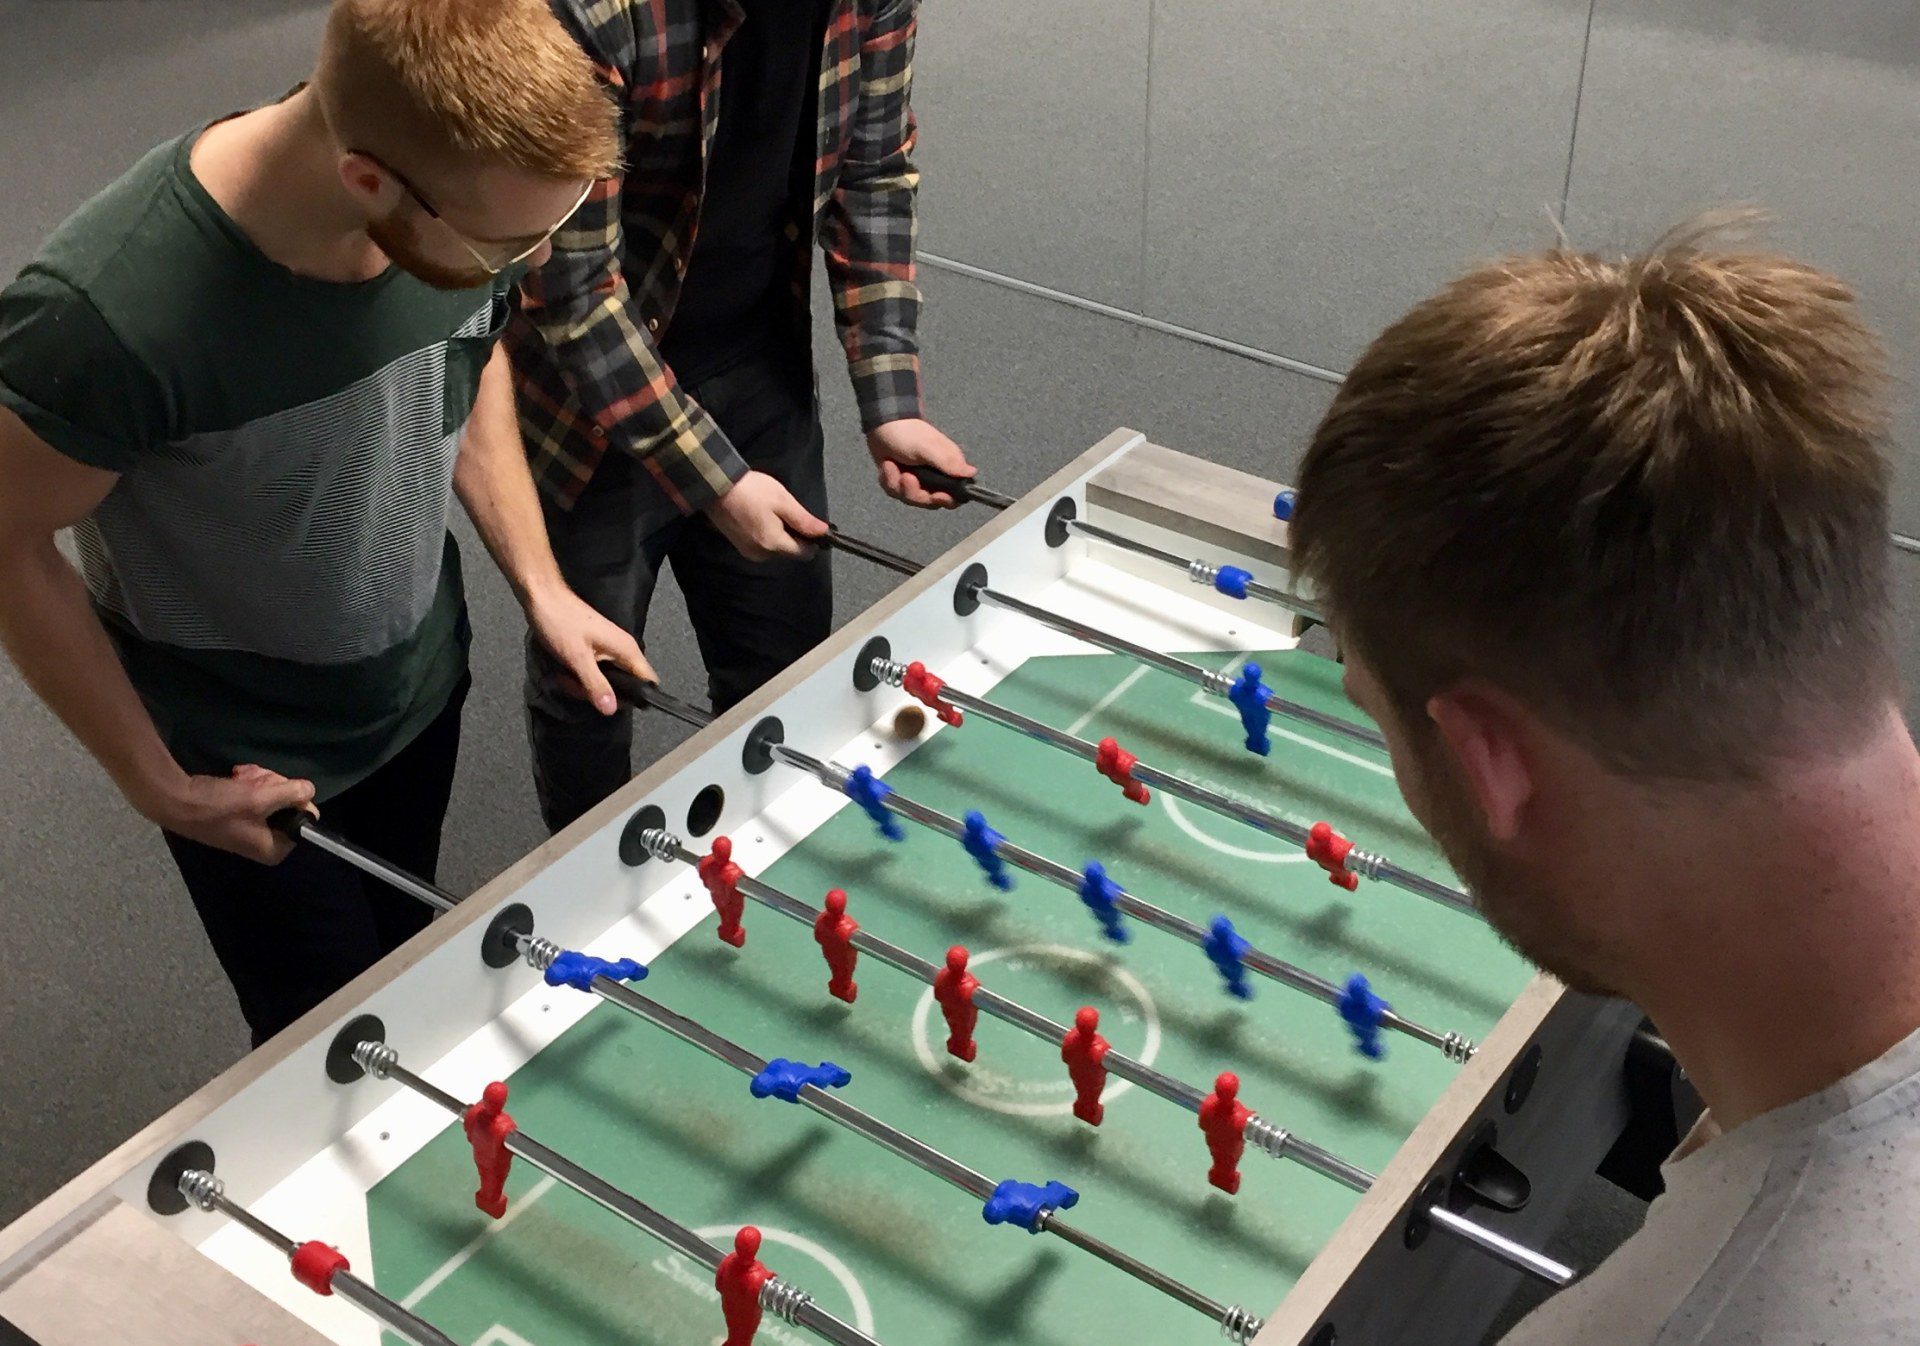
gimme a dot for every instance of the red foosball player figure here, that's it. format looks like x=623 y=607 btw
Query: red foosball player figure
x=833 y=929
x=488 y=1126
x=1085 y=1052
x=1117 y=764
x=1224 y=1119
x=739 y=1279
x=926 y=688
x=722 y=878
x=1329 y=850
x=953 y=987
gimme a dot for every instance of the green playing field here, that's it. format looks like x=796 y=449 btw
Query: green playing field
x=893 y=1249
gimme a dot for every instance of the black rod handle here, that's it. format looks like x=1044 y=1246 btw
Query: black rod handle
x=933 y=479
x=644 y=695
x=291 y=823
x=631 y=690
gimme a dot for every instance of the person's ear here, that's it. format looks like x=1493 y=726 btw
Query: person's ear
x=1485 y=733
x=371 y=186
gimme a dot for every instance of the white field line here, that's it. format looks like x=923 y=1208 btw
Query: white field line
x=1119 y=690
x=474 y=1245
x=500 y=1336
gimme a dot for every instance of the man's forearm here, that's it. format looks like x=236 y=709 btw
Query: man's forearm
x=55 y=638
x=497 y=491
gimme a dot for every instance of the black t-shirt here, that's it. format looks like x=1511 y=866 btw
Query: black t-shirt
x=736 y=295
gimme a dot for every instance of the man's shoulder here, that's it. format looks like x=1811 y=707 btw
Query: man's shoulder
x=1807 y=1242
x=1828 y=1248
x=136 y=214
x=124 y=263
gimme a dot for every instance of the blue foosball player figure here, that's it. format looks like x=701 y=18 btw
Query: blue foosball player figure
x=1249 y=696
x=1363 y=1012
x=784 y=1079
x=1102 y=897
x=983 y=844
x=1228 y=950
x=1026 y=1205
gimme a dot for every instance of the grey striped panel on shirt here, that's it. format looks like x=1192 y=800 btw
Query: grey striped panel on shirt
x=313 y=534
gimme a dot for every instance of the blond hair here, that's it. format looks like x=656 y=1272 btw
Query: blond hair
x=1648 y=495
x=482 y=82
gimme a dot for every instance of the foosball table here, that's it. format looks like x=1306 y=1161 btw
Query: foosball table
x=1046 y=958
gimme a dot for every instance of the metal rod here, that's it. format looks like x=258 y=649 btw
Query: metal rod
x=915 y=1151
x=1201 y=572
x=301 y=826
x=219 y=1201
x=1502 y=1248
x=1360 y=862
x=382 y=1062
x=1452 y=1045
x=389 y=1314
x=1215 y=684
x=869 y=551
x=209 y=1193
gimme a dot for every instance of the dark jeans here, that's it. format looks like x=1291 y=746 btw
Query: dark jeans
x=290 y=935
x=751 y=619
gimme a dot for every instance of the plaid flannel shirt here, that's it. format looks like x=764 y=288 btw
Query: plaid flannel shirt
x=584 y=340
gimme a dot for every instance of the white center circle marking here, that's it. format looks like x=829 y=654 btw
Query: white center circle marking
x=964 y=1086
x=721 y=1236
x=1291 y=855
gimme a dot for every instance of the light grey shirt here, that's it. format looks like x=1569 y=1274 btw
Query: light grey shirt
x=1800 y=1228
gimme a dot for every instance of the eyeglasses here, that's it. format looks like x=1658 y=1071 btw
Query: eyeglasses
x=490 y=265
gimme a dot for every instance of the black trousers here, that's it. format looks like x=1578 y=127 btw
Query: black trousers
x=751 y=619
x=290 y=935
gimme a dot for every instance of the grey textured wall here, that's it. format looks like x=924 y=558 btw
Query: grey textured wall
x=1291 y=176
x=1286 y=174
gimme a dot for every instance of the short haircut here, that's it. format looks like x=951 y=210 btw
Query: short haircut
x=477 y=82
x=1647 y=495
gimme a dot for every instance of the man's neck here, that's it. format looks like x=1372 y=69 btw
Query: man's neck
x=1792 y=956
x=275 y=171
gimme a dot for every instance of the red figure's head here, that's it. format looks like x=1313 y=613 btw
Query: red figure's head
x=494 y=1096
x=747 y=1241
x=837 y=903
x=957 y=959
x=1087 y=1020
x=723 y=849
x=1227 y=1086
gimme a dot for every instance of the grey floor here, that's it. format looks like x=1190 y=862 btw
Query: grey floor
x=1284 y=176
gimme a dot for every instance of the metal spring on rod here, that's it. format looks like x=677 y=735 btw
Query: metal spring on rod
x=1268 y=1138
x=784 y=1301
x=890 y=671
x=541 y=953
x=660 y=843
x=1240 y=1326
x=1364 y=863
x=1458 y=1048
x=1200 y=572
x=201 y=1188
x=376 y=1058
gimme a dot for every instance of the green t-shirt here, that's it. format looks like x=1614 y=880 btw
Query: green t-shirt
x=274 y=563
